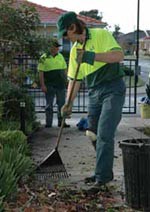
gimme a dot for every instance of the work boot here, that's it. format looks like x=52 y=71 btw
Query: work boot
x=90 y=179
x=96 y=188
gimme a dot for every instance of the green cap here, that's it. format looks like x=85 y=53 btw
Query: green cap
x=53 y=42
x=65 y=21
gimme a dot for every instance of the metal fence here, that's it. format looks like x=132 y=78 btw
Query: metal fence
x=80 y=104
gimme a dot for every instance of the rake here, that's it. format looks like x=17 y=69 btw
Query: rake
x=52 y=166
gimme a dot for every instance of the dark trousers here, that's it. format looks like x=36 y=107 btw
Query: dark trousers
x=53 y=92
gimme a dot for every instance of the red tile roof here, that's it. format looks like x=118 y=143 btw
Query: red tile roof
x=50 y=15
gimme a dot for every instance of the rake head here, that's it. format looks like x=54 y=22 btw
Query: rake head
x=51 y=167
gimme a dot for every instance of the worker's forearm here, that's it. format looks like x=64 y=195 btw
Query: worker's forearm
x=109 y=57
x=75 y=90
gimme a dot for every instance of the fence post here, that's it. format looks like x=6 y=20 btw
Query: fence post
x=22 y=116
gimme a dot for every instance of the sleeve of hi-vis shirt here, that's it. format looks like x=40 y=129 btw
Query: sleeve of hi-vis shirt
x=64 y=64
x=73 y=66
x=108 y=42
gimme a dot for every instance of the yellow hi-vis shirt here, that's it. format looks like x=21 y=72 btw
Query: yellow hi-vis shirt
x=99 y=41
x=54 y=70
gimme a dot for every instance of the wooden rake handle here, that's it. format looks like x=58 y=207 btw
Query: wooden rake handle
x=69 y=99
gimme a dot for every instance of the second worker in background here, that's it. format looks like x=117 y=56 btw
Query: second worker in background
x=52 y=72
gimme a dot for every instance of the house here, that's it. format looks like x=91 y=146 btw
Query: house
x=144 y=44
x=129 y=41
x=49 y=16
x=48 y=19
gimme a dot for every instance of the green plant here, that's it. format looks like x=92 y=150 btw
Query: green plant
x=1 y=109
x=1 y=203
x=18 y=37
x=9 y=125
x=147 y=131
x=21 y=164
x=111 y=210
x=11 y=95
x=15 y=139
x=8 y=180
x=17 y=29
x=15 y=125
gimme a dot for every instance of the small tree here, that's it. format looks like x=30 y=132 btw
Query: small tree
x=92 y=14
x=18 y=33
x=116 y=32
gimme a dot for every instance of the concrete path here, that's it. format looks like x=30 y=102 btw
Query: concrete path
x=78 y=154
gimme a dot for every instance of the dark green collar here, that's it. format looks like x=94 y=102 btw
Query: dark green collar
x=48 y=54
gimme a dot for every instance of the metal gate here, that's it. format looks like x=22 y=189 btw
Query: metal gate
x=80 y=103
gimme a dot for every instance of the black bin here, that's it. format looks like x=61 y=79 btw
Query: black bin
x=136 y=164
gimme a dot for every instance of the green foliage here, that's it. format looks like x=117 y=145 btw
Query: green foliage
x=9 y=125
x=116 y=32
x=147 y=131
x=18 y=37
x=15 y=125
x=11 y=95
x=8 y=180
x=1 y=109
x=36 y=45
x=21 y=164
x=18 y=34
x=15 y=139
x=14 y=161
x=34 y=77
x=16 y=76
x=17 y=24
x=111 y=210
x=92 y=14
x=1 y=202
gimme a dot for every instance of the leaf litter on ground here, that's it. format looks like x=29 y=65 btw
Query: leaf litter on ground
x=61 y=198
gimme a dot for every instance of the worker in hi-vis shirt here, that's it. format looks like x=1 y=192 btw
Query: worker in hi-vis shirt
x=52 y=72
x=98 y=54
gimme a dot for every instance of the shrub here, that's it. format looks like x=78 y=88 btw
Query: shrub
x=14 y=162
x=11 y=95
x=9 y=125
x=15 y=139
x=8 y=180
x=21 y=164
x=10 y=98
x=1 y=203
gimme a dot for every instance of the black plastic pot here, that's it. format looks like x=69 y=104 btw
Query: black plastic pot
x=136 y=163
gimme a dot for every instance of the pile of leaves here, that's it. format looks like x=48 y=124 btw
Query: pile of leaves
x=58 y=198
